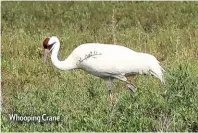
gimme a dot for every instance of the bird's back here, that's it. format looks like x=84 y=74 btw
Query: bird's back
x=108 y=59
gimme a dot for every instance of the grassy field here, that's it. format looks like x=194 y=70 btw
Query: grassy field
x=168 y=30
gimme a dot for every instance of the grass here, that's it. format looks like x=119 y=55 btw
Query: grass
x=168 y=30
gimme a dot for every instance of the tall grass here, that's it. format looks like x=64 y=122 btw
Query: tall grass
x=168 y=30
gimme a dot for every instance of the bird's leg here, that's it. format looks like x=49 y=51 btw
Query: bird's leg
x=109 y=87
x=129 y=85
x=111 y=97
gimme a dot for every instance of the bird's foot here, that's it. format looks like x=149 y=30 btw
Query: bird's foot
x=110 y=97
x=131 y=87
x=112 y=100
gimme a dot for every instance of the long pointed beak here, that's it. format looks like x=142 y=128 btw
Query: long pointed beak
x=46 y=52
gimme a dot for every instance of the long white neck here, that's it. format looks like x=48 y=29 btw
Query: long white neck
x=67 y=64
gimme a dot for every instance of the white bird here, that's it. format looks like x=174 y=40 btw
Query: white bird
x=107 y=61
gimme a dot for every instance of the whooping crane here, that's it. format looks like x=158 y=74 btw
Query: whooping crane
x=107 y=61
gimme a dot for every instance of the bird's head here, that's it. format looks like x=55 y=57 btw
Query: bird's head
x=48 y=44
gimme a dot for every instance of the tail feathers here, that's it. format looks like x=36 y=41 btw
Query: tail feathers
x=157 y=71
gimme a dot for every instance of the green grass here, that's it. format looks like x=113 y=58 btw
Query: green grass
x=168 y=30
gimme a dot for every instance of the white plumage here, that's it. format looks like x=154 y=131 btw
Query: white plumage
x=105 y=60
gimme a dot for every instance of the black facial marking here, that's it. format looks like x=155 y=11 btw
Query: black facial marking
x=50 y=46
